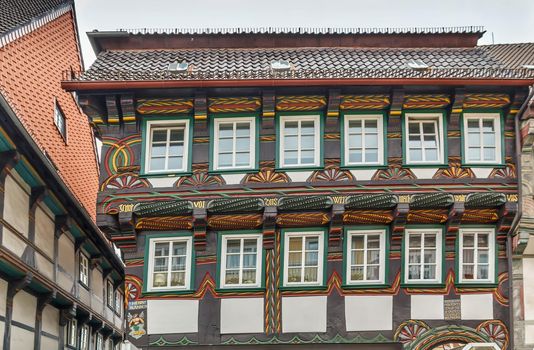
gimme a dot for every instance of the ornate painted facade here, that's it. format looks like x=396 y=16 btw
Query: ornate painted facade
x=326 y=242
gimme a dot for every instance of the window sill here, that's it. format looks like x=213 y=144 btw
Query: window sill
x=233 y=171
x=169 y=174
x=364 y=166
x=423 y=285
x=484 y=165
x=365 y=286
x=481 y=284
x=168 y=292
x=239 y=289
x=302 y=287
x=425 y=165
x=304 y=168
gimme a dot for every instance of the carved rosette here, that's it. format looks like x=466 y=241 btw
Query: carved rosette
x=266 y=175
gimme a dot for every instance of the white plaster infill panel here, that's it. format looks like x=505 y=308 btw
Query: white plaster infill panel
x=424 y=173
x=304 y=314
x=299 y=176
x=241 y=315
x=427 y=307
x=233 y=179
x=3 y=296
x=363 y=174
x=157 y=182
x=172 y=316
x=482 y=173
x=369 y=313
x=477 y=306
x=528 y=288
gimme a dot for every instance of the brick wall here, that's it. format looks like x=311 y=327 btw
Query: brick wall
x=31 y=69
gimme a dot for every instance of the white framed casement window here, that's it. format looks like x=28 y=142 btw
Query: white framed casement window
x=363 y=139
x=71 y=331
x=423 y=256
x=234 y=143
x=366 y=256
x=60 y=121
x=300 y=141
x=476 y=256
x=303 y=258
x=167 y=146
x=84 y=270
x=118 y=302
x=109 y=294
x=241 y=261
x=99 y=342
x=169 y=263
x=424 y=138
x=84 y=337
x=482 y=138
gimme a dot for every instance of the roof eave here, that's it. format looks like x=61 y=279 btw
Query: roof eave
x=73 y=85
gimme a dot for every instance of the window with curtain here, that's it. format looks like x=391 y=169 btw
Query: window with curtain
x=234 y=143
x=423 y=255
x=241 y=260
x=482 y=138
x=169 y=263
x=299 y=141
x=424 y=138
x=477 y=255
x=303 y=258
x=363 y=140
x=366 y=256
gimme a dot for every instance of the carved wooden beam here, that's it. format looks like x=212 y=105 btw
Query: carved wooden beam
x=200 y=223
x=95 y=260
x=61 y=225
x=400 y=214
x=67 y=314
x=201 y=109
x=113 y=110
x=37 y=195
x=456 y=213
x=94 y=109
x=397 y=99
x=128 y=113
x=334 y=99
x=336 y=225
x=506 y=216
x=269 y=226
x=78 y=243
x=8 y=160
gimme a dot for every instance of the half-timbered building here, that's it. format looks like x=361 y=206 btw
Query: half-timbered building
x=337 y=188
x=61 y=282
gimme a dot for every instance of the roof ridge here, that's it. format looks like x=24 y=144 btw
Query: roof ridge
x=305 y=30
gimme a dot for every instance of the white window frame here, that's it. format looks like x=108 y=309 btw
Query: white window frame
x=110 y=301
x=320 y=259
x=496 y=117
x=217 y=121
x=382 y=258
x=118 y=302
x=83 y=263
x=439 y=255
x=379 y=118
x=166 y=124
x=59 y=112
x=491 y=254
x=189 y=247
x=317 y=140
x=84 y=337
x=437 y=118
x=99 y=342
x=72 y=332
x=259 y=259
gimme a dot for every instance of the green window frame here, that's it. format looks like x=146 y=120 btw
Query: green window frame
x=438 y=118
x=346 y=118
x=498 y=121
x=365 y=231
x=215 y=121
x=492 y=250
x=281 y=119
x=439 y=259
x=168 y=122
x=150 y=242
x=322 y=260
x=222 y=238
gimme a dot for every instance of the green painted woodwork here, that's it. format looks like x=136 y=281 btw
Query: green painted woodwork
x=304 y=203
x=163 y=208
x=431 y=200
x=371 y=201
x=232 y=205
x=485 y=200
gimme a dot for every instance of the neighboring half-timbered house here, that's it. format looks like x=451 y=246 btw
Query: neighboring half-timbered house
x=339 y=189
x=61 y=282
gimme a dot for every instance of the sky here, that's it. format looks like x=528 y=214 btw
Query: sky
x=506 y=21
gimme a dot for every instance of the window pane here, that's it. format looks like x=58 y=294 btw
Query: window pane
x=413 y=128
x=373 y=273
x=469 y=240
x=371 y=126
x=431 y=154
x=232 y=277
x=290 y=142
x=249 y=260
x=468 y=272
x=430 y=256
x=429 y=272
x=430 y=240
x=160 y=279
x=373 y=241
x=472 y=125
x=430 y=141
x=177 y=279
x=177 y=135
x=414 y=141
x=308 y=127
x=295 y=243
x=473 y=153
x=178 y=264
x=290 y=128
x=243 y=129
x=225 y=160
x=307 y=142
x=158 y=150
x=468 y=256
x=293 y=274
x=242 y=159
x=249 y=277
x=357 y=242
x=489 y=154
x=312 y=259
x=179 y=248
x=226 y=130
x=357 y=257
x=483 y=240
x=473 y=139
x=175 y=162
x=308 y=157
x=415 y=240
x=371 y=155
x=355 y=141
x=250 y=245
x=414 y=256
x=487 y=126
x=242 y=144
x=161 y=249
x=160 y=264
x=355 y=156
x=371 y=141
x=159 y=135
x=312 y=243
x=414 y=272
x=416 y=155
x=290 y=157
x=295 y=259
x=429 y=128
x=355 y=127
x=483 y=257
x=233 y=246
x=483 y=272
x=310 y=274
x=225 y=145
x=356 y=273
x=157 y=164
x=489 y=139
x=373 y=257
x=232 y=261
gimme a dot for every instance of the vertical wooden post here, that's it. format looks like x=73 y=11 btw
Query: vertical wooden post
x=13 y=288
x=8 y=160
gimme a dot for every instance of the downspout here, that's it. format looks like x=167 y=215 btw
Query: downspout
x=517 y=217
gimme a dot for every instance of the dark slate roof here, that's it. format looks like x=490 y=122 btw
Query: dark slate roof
x=512 y=55
x=314 y=63
x=17 y=12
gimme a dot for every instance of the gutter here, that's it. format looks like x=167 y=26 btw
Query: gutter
x=75 y=206
x=517 y=218
x=79 y=85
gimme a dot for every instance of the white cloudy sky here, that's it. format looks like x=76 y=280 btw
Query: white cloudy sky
x=507 y=20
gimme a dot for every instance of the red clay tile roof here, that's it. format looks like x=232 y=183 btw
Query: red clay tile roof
x=30 y=73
